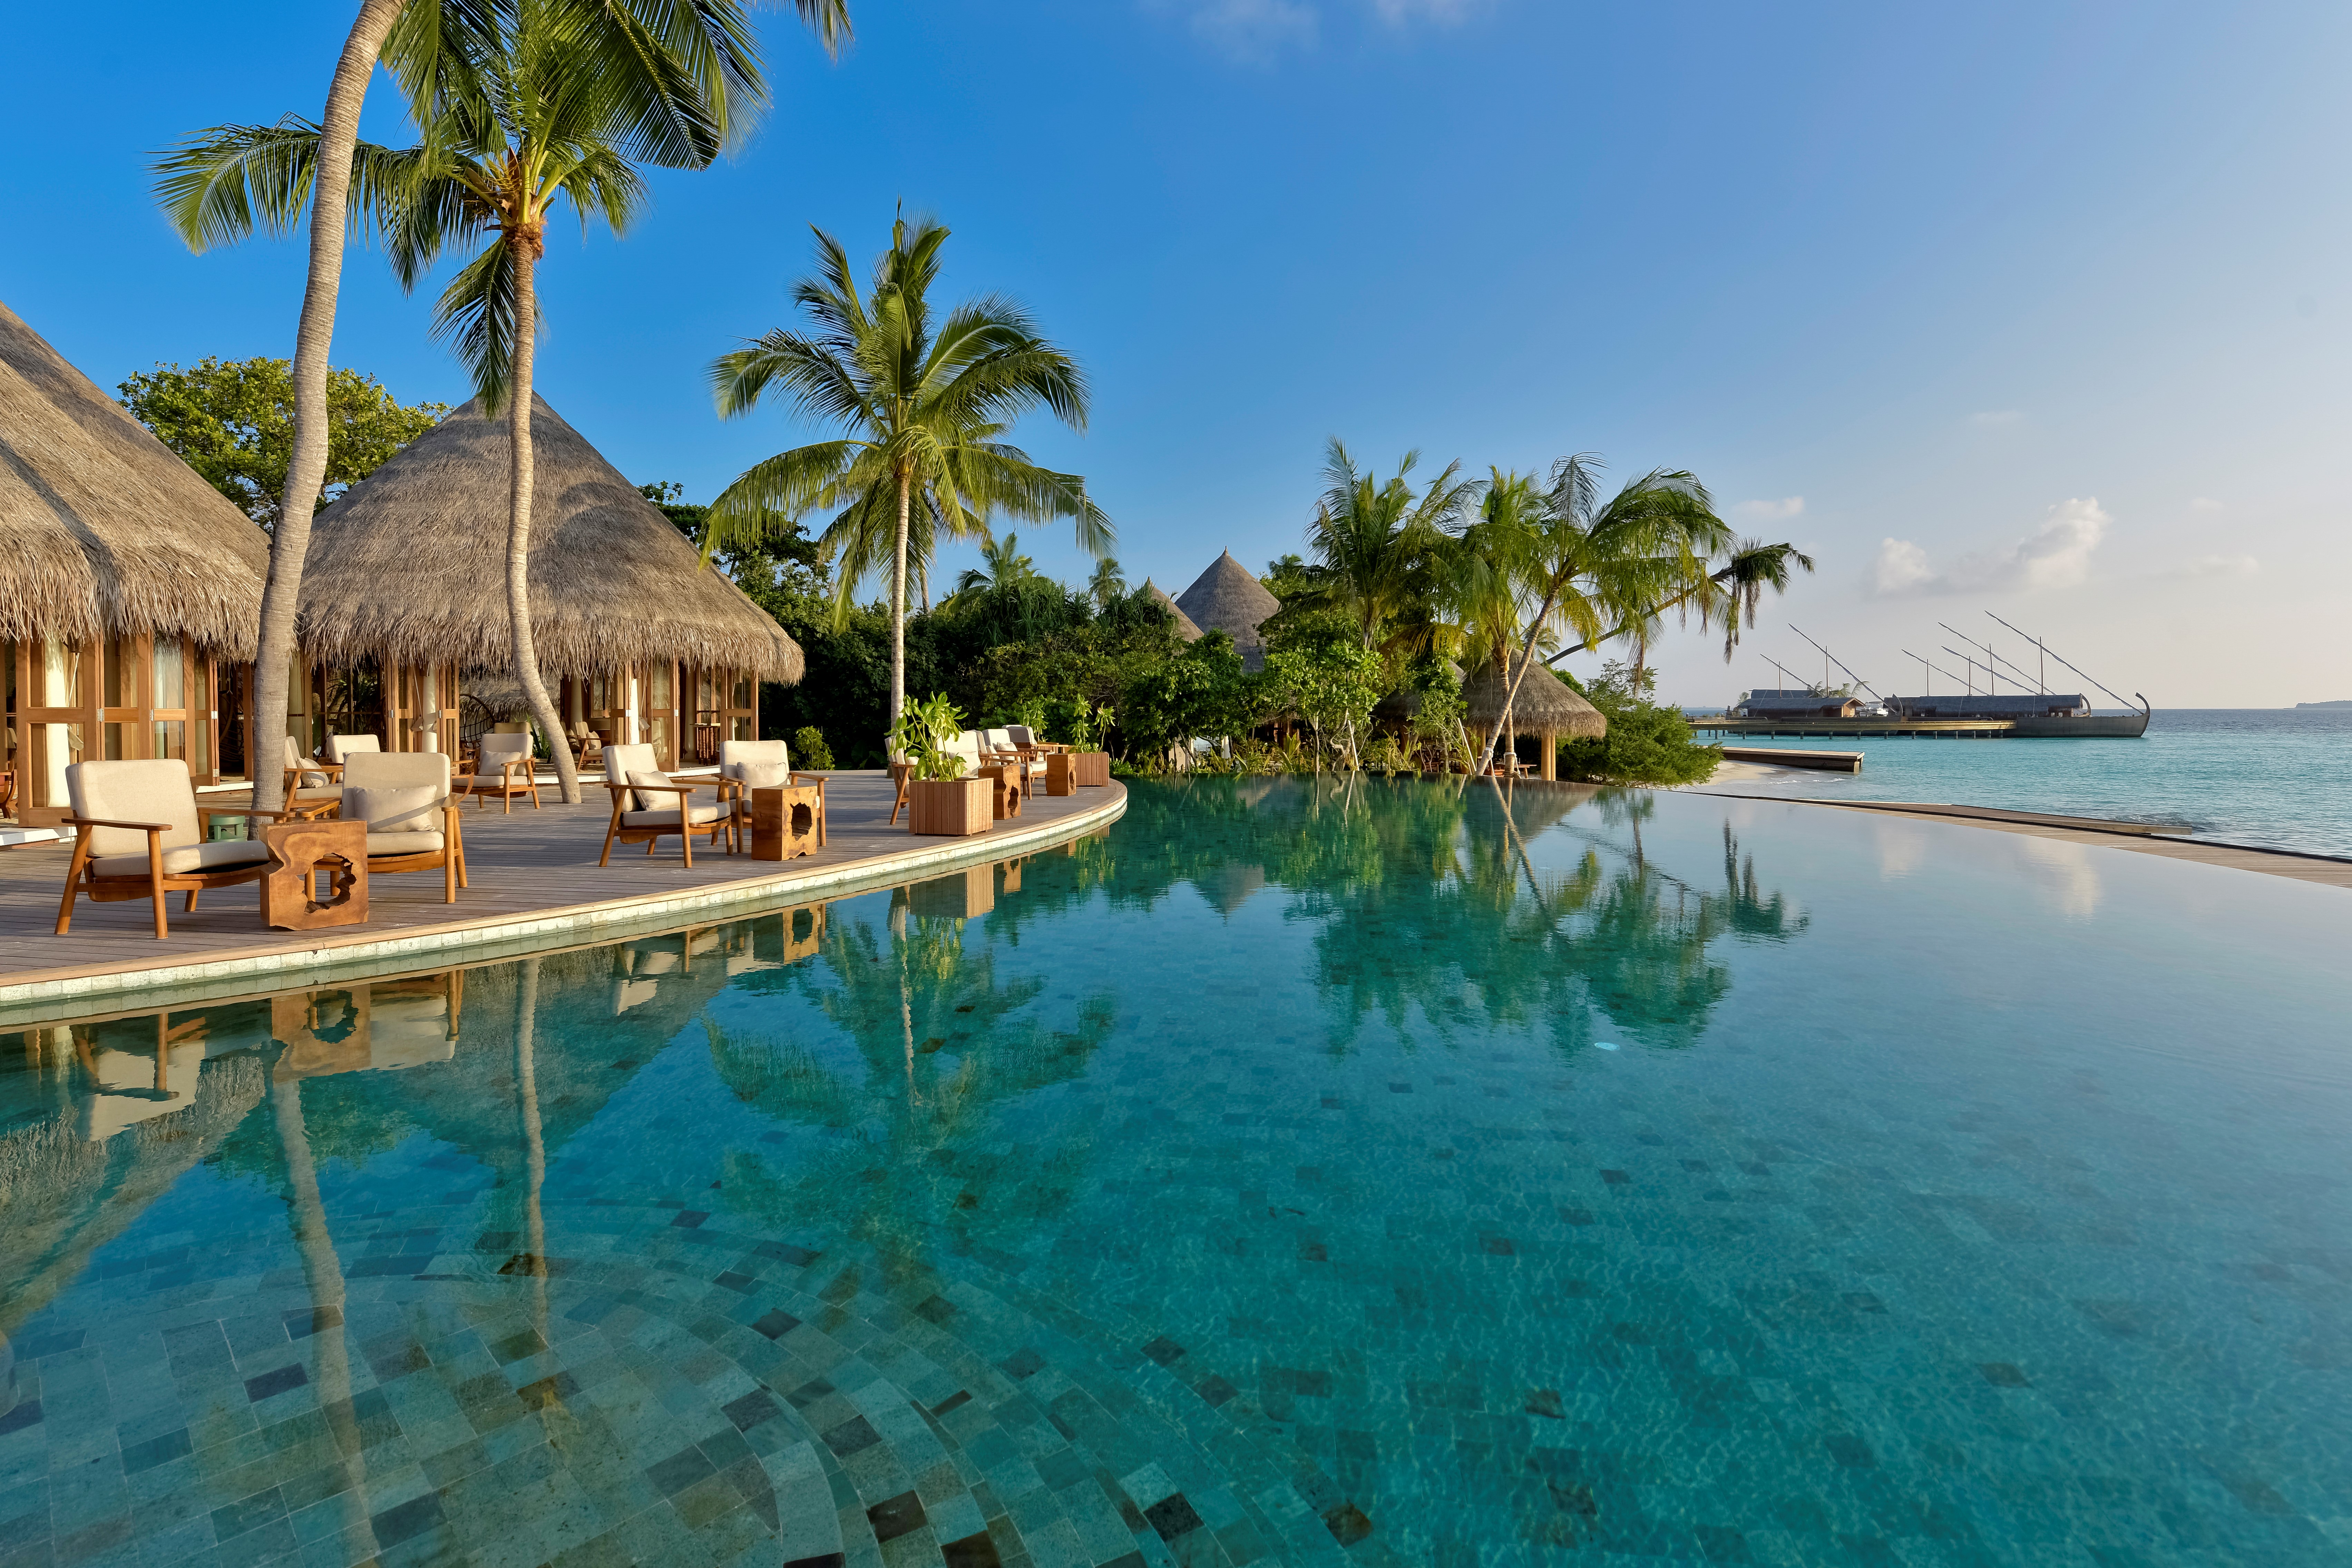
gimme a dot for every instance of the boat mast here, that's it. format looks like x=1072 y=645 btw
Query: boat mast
x=1827 y=658
x=2061 y=658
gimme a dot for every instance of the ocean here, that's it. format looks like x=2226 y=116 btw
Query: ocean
x=2280 y=777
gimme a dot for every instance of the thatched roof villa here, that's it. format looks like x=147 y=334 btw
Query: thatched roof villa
x=405 y=586
x=1547 y=707
x=130 y=589
x=1184 y=626
x=1226 y=598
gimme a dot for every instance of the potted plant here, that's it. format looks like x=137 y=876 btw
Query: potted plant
x=939 y=799
x=1090 y=762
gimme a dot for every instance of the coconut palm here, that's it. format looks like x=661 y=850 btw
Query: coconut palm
x=1731 y=592
x=670 y=61
x=1002 y=566
x=924 y=403
x=540 y=107
x=1107 y=583
x=1377 y=546
x=1587 y=565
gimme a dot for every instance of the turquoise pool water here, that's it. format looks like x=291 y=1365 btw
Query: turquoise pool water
x=1300 y=1173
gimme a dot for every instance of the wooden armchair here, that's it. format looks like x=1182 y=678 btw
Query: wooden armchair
x=747 y=765
x=638 y=786
x=503 y=767
x=312 y=787
x=413 y=820
x=139 y=836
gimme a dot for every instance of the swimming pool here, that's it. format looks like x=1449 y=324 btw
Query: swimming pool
x=1301 y=1173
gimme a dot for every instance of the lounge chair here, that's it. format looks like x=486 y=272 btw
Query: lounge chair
x=639 y=787
x=998 y=750
x=1026 y=741
x=343 y=748
x=413 y=819
x=139 y=835
x=310 y=789
x=503 y=767
x=747 y=765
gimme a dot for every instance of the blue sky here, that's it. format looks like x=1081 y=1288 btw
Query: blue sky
x=2032 y=308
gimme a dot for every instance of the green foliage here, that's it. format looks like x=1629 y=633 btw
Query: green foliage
x=809 y=750
x=925 y=728
x=233 y=422
x=1332 y=685
x=1647 y=743
x=1201 y=690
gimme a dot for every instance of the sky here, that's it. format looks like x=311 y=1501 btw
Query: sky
x=2037 y=309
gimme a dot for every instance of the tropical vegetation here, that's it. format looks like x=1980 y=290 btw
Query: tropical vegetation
x=922 y=400
x=670 y=83
x=233 y=422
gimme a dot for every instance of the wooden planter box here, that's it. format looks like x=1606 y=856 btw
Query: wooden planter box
x=955 y=808
x=1092 y=769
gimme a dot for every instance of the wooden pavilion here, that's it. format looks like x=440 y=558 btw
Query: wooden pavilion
x=406 y=589
x=129 y=590
x=1547 y=707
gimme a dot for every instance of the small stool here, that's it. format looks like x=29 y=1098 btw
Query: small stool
x=1061 y=772
x=299 y=851
x=787 y=822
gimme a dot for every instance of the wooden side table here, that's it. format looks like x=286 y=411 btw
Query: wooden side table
x=299 y=852
x=1007 y=779
x=787 y=822
x=1061 y=774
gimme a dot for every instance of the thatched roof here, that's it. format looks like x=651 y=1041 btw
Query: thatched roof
x=103 y=531
x=498 y=692
x=1226 y=598
x=1546 y=705
x=410 y=565
x=1184 y=626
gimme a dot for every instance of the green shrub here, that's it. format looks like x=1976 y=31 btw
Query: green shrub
x=1647 y=743
x=808 y=748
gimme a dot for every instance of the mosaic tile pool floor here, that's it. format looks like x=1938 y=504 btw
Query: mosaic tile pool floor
x=1299 y=1174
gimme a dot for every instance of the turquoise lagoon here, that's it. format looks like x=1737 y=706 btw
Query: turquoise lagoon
x=1301 y=1173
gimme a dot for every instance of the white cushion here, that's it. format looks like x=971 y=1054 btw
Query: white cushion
x=734 y=756
x=415 y=809
x=155 y=791
x=699 y=813
x=295 y=759
x=183 y=859
x=343 y=748
x=653 y=799
x=413 y=842
x=620 y=761
x=763 y=775
x=398 y=770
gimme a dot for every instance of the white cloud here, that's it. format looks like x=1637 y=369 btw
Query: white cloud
x=2218 y=566
x=1771 y=511
x=1991 y=416
x=1256 y=31
x=2056 y=555
x=1252 y=31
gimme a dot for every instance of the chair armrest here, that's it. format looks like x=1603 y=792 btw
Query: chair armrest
x=816 y=779
x=660 y=789
x=103 y=821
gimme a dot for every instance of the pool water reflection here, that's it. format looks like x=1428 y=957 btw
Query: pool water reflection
x=1302 y=1171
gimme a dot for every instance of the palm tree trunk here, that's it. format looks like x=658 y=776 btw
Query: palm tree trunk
x=526 y=650
x=306 y=468
x=534 y=1138
x=898 y=608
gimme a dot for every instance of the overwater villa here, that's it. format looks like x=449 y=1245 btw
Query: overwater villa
x=129 y=590
x=406 y=590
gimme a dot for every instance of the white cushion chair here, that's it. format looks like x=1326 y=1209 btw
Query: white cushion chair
x=343 y=748
x=648 y=804
x=310 y=789
x=139 y=835
x=504 y=767
x=412 y=818
x=1024 y=740
x=747 y=765
x=999 y=750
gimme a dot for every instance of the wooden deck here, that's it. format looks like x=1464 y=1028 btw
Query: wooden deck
x=531 y=870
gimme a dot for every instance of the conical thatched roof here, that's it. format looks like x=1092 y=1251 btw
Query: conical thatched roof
x=1226 y=598
x=103 y=530
x=1546 y=704
x=1184 y=626
x=410 y=566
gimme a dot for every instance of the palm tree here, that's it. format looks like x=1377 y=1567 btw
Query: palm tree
x=1002 y=566
x=1589 y=563
x=925 y=403
x=1732 y=592
x=670 y=83
x=1107 y=584
x=1376 y=544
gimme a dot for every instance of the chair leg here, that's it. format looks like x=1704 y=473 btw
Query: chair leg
x=73 y=882
x=189 y=907
x=155 y=883
x=448 y=878
x=609 y=833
